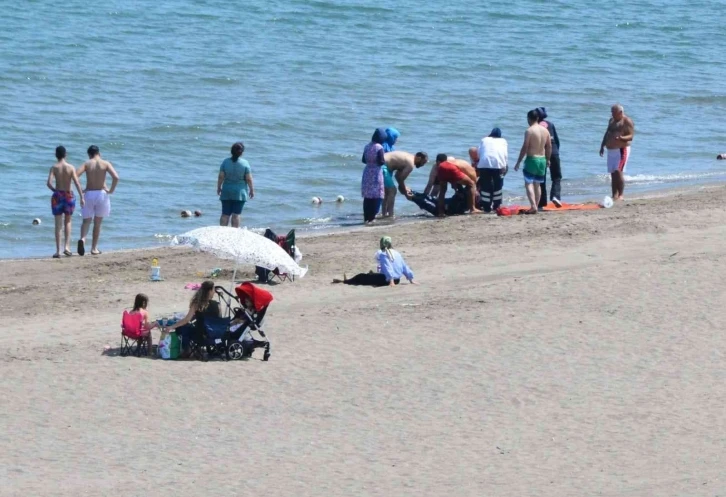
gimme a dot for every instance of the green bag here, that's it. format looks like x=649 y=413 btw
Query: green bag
x=170 y=346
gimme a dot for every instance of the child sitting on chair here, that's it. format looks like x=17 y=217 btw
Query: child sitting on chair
x=140 y=303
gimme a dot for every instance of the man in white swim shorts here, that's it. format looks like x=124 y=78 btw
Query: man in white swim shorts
x=617 y=140
x=98 y=201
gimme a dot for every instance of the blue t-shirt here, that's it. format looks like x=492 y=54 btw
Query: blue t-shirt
x=235 y=185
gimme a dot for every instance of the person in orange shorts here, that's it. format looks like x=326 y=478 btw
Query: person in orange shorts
x=445 y=172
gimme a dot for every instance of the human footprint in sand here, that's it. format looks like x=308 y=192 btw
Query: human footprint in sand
x=391 y=268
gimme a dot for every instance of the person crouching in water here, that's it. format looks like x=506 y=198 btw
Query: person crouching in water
x=391 y=268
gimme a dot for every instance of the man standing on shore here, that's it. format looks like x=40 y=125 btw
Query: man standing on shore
x=617 y=140
x=98 y=201
x=492 y=159
x=62 y=202
x=555 y=169
x=537 y=147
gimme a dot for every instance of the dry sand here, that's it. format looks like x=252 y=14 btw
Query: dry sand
x=567 y=354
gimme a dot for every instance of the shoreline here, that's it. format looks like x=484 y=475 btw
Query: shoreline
x=325 y=232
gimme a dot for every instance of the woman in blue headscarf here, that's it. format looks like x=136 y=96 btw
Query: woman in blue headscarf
x=389 y=196
x=372 y=181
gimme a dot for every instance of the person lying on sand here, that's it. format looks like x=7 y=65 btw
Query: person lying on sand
x=391 y=268
x=456 y=205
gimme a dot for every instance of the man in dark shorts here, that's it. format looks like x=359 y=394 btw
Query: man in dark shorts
x=555 y=168
x=62 y=202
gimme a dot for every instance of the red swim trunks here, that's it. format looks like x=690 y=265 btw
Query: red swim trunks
x=450 y=173
x=62 y=203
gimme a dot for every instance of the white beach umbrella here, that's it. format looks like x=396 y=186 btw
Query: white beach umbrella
x=241 y=246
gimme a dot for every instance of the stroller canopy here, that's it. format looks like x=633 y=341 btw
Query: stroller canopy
x=260 y=298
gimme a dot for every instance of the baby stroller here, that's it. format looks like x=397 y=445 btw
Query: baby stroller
x=245 y=312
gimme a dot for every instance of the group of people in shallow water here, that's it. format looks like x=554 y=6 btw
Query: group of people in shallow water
x=478 y=182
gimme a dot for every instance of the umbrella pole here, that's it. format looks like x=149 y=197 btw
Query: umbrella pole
x=234 y=276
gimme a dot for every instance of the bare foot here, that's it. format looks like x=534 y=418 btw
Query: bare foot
x=620 y=198
x=476 y=211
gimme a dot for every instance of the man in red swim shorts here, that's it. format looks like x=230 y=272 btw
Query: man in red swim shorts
x=447 y=172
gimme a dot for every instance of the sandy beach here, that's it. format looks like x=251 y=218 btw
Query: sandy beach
x=563 y=354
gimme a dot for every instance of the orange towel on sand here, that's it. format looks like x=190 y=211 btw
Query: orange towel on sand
x=514 y=210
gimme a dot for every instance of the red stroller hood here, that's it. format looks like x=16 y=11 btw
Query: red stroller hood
x=260 y=298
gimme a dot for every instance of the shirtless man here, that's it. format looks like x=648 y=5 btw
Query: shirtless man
x=98 y=202
x=456 y=172
x=617 y=140
x=400 y=164
x=537 y=147
x=62 y=202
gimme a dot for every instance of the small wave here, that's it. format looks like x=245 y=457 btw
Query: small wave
x=314 y=220
x=162 y=236
x=664 y=178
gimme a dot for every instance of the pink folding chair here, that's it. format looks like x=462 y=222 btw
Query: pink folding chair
x=134 y=338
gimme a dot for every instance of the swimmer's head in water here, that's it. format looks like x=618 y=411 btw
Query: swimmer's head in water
x=420 y=159
x=441 y=158
x=532 y=116
x=617 y=111
x=237 y=150
x=60 y=152
x=93 y=151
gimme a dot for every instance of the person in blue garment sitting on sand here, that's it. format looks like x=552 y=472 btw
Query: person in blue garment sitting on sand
x=391 y=268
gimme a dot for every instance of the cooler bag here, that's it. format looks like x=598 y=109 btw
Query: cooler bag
x=170 y=346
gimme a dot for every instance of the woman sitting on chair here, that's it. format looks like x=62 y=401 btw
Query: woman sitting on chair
x=202 y=305
x=391 y=265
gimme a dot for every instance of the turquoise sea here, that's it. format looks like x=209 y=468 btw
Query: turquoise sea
x=165 y=88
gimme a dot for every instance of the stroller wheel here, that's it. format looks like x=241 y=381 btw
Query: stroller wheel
x=235 y=350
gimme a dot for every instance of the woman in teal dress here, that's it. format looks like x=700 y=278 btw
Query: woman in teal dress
x=234 y=185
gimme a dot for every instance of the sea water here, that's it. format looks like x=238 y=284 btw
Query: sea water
x=165 y=88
